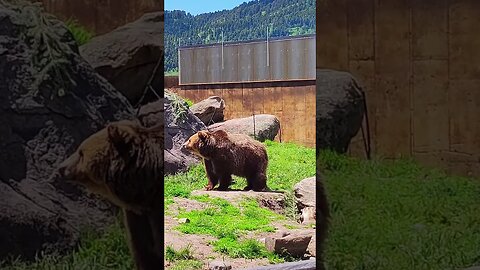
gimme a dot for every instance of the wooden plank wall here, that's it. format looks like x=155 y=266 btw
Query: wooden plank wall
x=292 y=102
x=101 y=16
x=419 y=62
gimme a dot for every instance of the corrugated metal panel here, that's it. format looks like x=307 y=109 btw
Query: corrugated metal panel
x=199 y=65
x=230 y=64
x=278 y=61
x=214 y=66
x=245 y=63
x=260 y=69
x=295 y=58
x=310 y=59
x=287 y=59
x=185 y=74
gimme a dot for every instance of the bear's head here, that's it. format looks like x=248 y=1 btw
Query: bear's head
x=203 y=143
x=196 y=142
x=106 y=161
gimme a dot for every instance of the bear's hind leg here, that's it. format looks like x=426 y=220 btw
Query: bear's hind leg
x=257 y=182
x=225 y=182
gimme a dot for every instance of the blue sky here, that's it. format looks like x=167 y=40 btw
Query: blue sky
x=196 y=7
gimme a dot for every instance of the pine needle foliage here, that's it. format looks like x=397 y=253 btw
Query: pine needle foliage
x=50 y=57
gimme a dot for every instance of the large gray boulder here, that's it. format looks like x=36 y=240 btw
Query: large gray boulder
x=209 y=110
x=180 y=124
x=340 y=109
x=128 y=56
x=266 y=126
x=49 y=103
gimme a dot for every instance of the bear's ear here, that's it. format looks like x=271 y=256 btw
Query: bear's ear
x=202 y=135
x=117 y=135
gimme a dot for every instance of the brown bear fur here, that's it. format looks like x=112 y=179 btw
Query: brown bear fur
x=225 y=154
x=124 y=163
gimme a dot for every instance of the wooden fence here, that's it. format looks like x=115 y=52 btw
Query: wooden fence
x=101 y=16
x=292 y=102
x=419 y=62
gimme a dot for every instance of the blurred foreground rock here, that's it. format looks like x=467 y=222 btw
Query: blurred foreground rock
x=49 y=103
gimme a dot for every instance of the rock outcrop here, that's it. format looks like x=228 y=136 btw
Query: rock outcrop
x=180 y=124
x=131 y=57
x=209 y=110
x=50 y=101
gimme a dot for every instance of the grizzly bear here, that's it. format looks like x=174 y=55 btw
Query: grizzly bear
x=124 y=163
x=225 y=154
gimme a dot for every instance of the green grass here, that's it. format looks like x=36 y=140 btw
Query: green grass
x=172 y=255
x=187 y=265
x=106 y=251
x=288 y=164
x=171 y=73
x=80 y=33
x=235 y=222
x=385 y=215
x=398 y=215
x=189 y=102
x=182 y=259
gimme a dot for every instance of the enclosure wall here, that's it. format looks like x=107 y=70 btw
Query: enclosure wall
x=419 y=63
x=293 y=103
x=101 y=16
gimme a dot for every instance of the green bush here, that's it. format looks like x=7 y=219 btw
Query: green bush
x=80 y=33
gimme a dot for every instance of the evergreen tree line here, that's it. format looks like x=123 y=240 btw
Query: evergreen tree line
x=248 y=21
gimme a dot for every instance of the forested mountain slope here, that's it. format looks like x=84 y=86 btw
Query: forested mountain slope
x=245 y=22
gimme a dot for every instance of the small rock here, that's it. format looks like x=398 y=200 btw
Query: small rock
x=183 y=220
x=219 y=265
x=284 y=233
x=295 y=245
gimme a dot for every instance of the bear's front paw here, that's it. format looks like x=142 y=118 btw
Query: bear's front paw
x=208 y=187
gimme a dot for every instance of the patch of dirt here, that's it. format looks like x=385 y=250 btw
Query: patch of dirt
x=199 y=244
x=182 y=203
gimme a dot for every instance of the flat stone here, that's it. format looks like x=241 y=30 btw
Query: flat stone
x=219 y=265
x=293 y=244
x=183 y=220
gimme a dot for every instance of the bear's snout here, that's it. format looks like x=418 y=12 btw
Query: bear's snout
x=64 y=169
x=185 y=145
